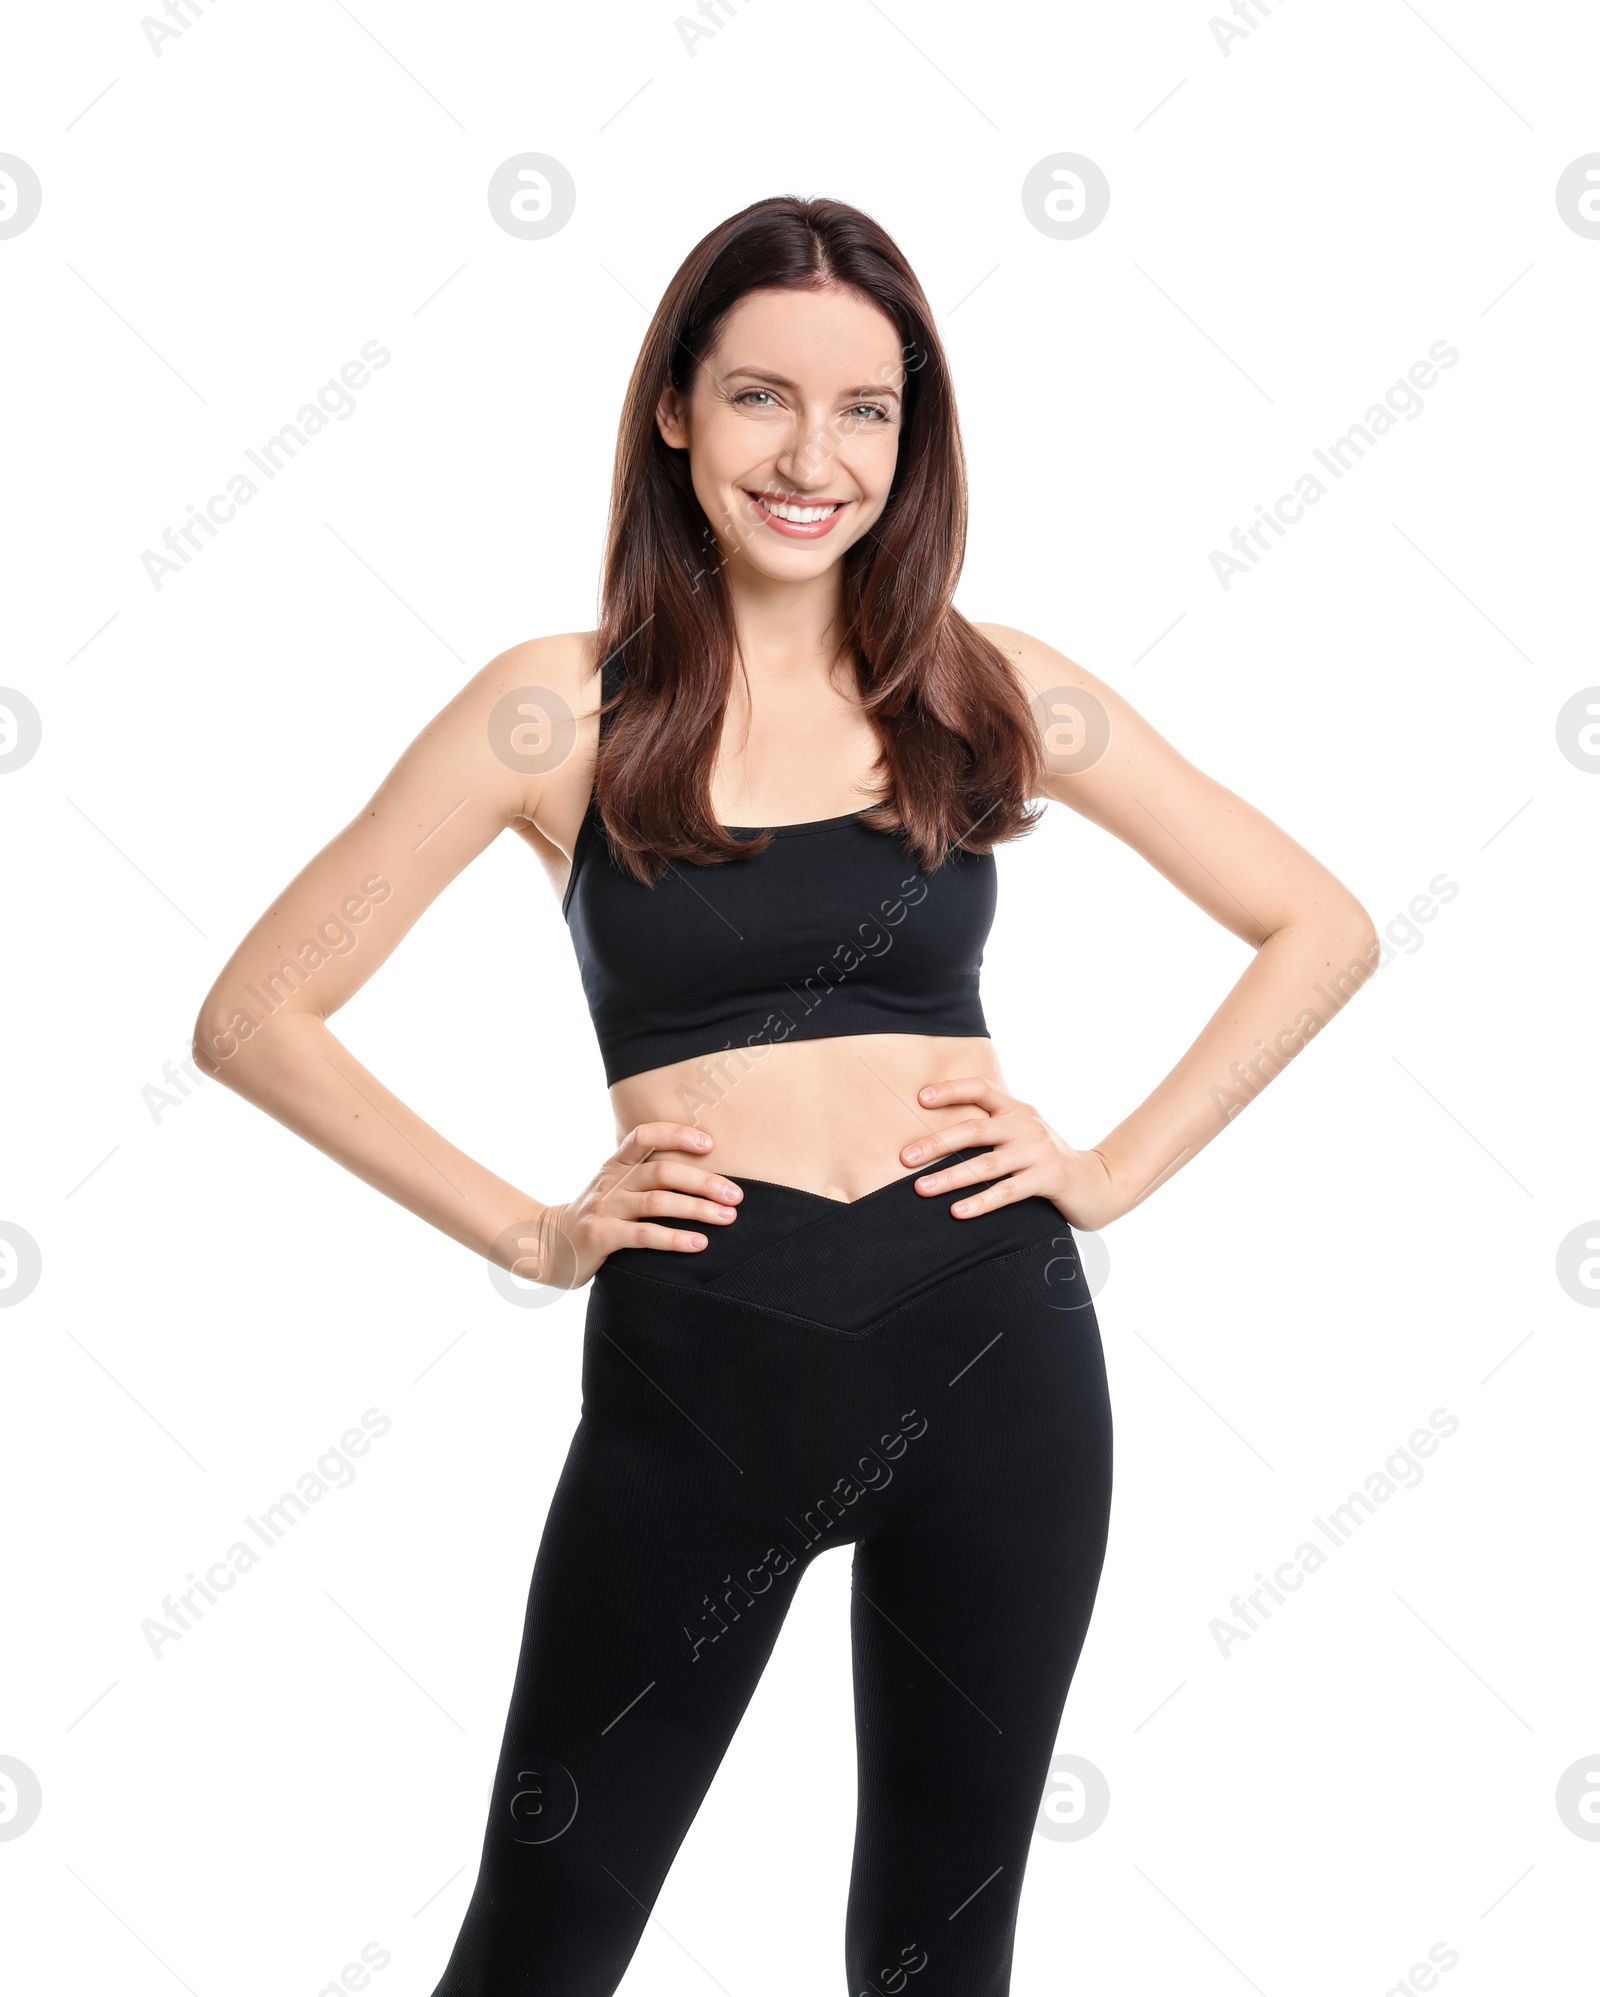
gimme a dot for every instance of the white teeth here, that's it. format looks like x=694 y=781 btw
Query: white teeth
x=800 y=516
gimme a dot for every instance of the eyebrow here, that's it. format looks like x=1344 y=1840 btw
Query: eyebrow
x=783 y=381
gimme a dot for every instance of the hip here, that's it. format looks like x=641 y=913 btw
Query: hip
x=826 y=1327
x=847 y=1267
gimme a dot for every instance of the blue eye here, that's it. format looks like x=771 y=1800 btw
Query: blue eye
x=869 y=409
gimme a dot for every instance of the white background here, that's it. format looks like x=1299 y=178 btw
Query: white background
x=1292 y=225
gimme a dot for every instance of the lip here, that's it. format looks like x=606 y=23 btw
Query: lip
x=792 y=529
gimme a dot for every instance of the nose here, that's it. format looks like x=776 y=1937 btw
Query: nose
x=806 y=461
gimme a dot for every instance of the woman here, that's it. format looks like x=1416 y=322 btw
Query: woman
x=834 y=1294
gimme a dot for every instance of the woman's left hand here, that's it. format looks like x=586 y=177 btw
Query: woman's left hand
x=1026 y=1158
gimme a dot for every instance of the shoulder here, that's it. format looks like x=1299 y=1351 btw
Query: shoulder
x=1055 y=685
x=1039 y=667
x=540 y=700
x=524 y=728
x=1078 y=716
x=563 y=665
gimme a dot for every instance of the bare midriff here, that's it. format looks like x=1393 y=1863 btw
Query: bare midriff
x=827 y=1116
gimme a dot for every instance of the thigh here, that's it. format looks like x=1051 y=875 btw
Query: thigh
x=651 y=1614
x=969 y=1612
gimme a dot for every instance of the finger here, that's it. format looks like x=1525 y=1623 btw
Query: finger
x=647 y=1140
x=955 y=1137
x=667 y=1171
x=972 y=1171
x=969 y=1173
x=1001 y=1194
x=657 y=1200
x=647 y=1137
x=973 y=1089
x=649 y=1234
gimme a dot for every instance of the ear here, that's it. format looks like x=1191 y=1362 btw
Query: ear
x=672 y=418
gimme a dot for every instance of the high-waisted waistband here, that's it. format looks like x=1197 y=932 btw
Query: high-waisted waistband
x=844 y=1263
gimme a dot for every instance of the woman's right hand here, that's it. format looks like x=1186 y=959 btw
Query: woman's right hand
x=647 y=1176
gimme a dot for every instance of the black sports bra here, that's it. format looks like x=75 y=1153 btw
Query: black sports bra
x=832 y=930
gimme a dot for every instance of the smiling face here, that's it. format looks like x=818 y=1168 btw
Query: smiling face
x=792 y=425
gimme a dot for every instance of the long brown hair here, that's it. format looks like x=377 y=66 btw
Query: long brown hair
x=959 y=751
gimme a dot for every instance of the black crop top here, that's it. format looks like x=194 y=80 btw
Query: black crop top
x=834 y=929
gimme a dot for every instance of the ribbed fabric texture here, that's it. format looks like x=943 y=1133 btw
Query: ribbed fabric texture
x=877 y=1373
x=833 y=929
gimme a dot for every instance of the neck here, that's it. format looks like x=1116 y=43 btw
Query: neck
x=785 y=630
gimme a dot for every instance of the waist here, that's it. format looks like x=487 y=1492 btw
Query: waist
x=844 y=1266
x=826 y=1117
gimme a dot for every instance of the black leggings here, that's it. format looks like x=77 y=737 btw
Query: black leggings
x=876 y=1372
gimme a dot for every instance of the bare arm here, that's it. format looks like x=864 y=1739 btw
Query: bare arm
x=1315 y=945
x=263 y=1027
